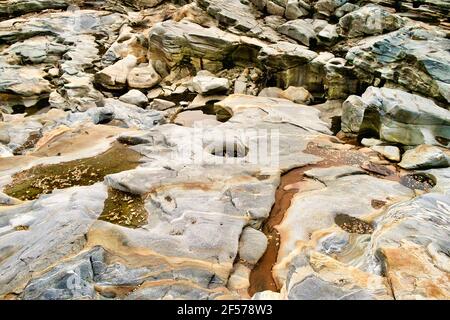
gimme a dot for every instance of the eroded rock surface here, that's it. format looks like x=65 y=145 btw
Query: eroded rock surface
x=215 y=149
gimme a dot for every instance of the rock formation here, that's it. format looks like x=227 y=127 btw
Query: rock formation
x=224 y=149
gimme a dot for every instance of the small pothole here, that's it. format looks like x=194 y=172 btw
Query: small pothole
x=353 y=225
x=229 y=150
x=420 y=181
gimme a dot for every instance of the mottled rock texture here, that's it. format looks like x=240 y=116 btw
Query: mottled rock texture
x=224 y=149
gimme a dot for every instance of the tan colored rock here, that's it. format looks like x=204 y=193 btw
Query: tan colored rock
x=413 y=274
x=143 y=77
x=298 y=95
x=425 y=157
x=115 y=76
x=324 y=278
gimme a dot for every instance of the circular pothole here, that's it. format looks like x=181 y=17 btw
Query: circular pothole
x=353 y=225
x=228 y=149
x=420 y=180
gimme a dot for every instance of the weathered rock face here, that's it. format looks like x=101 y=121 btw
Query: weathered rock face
x=430 y=11
x=13 y=7
x=173 y=42
x=299 y=30
x=212 y=149
x=408 y=237
x=396 y=116
x=186 y=43
x=423 y=222
x=205 y=83
x=411 y=58
x=232 y=13
x=316 y=209
x=44 y=40
x=369 y=20
x=176 y=236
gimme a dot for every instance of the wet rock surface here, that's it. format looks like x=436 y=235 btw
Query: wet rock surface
x=217 y=149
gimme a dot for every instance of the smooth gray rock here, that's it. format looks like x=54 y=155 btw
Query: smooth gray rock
x=299 y=30
x=389 y=152
x=314 y=288
x=205 y=83
x=135 y=97
x=252 y=245
x=387 y=57
x=57 y=226
x=425 y=157
x=396 y=116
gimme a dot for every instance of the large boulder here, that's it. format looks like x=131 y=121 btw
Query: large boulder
x=413 y=58
x=252 y=245
x=135 y=97
x=173 y=42
x=411 y=240
x=425 y=157
x=310 y=32
x=300 y=30
x=369 y=20
x=143 y=77
x=396 y=116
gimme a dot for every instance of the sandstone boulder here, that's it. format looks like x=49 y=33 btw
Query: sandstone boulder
x=396 y=116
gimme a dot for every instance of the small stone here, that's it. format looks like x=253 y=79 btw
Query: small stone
x=135 y=97
x=389 y=152
x=143 y=77
x=205 y=83
x=271 y=92
x=161 y=105
x=297 y=95
x=370 y=142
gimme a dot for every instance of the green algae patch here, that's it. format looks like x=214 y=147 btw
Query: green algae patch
x=43 y=179
x=124 y=209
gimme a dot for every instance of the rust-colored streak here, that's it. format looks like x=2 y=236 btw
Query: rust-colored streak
x=261 y=277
